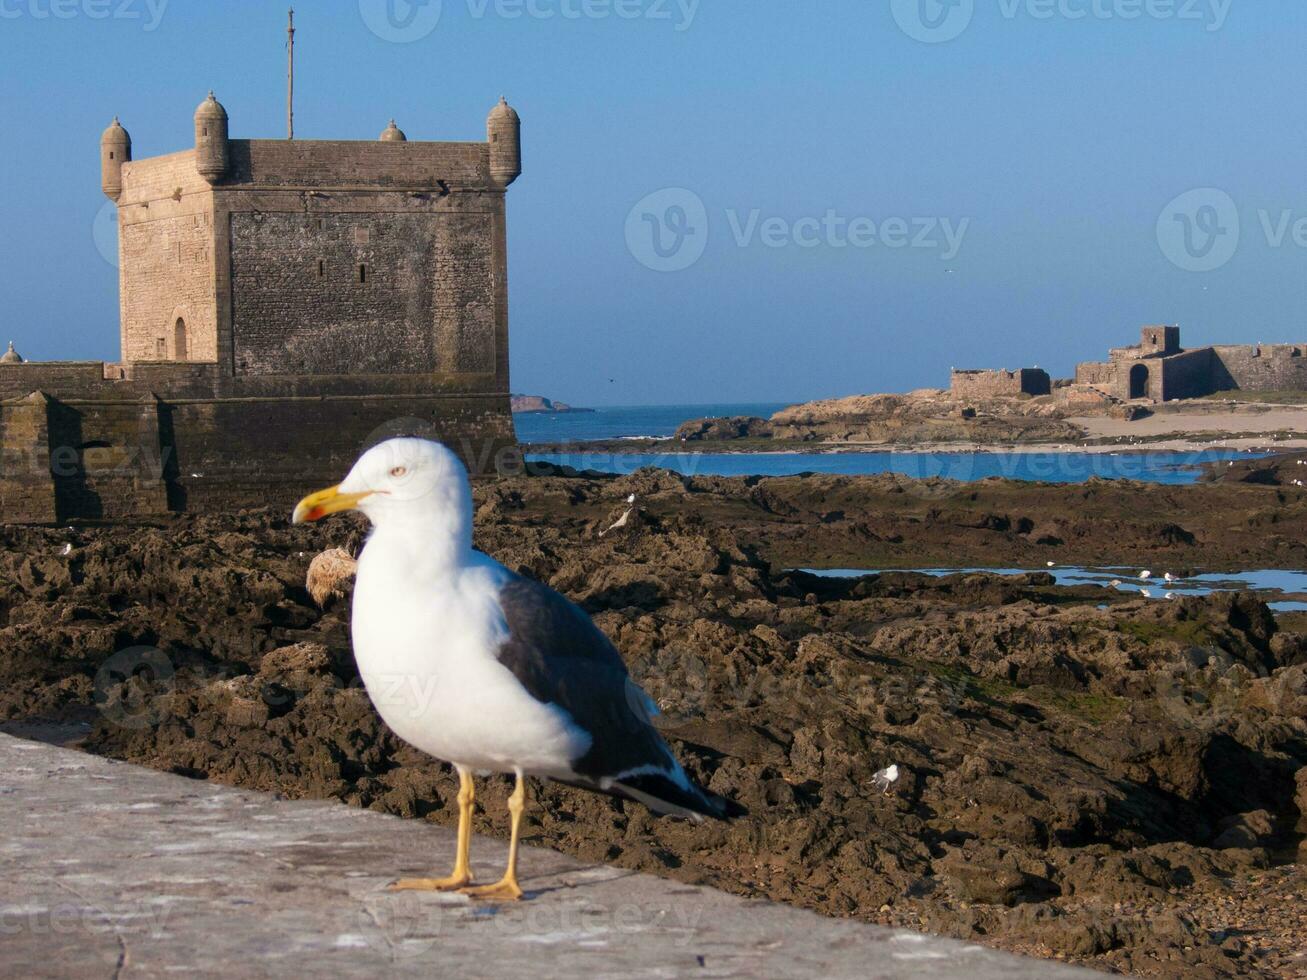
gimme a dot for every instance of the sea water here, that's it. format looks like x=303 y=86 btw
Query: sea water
x=1274 y=586
x=636 y=423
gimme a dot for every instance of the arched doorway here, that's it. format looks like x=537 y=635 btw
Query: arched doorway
x=179 y=340
x=1139 y=381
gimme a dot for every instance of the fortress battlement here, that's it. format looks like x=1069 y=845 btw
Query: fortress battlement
x=257 y=276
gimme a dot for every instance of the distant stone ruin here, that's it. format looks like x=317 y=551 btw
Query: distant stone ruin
x=1000 y=384
x=1156 y=369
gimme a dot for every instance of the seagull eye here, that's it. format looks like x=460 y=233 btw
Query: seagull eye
x=399 y=471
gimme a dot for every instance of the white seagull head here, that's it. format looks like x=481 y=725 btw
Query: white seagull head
x=400 y=483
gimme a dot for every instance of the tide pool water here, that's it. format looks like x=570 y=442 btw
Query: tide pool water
x=1275 y=586
x=1046 y=467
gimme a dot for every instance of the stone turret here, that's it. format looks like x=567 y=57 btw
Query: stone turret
x=115 y=150
x=392 y=134
x=504 y=131
x=211 y=157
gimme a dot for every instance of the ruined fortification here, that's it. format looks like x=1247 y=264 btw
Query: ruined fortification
x=1000 y=384
x=1158 y=368
x=1155 y=369
x=282 y=302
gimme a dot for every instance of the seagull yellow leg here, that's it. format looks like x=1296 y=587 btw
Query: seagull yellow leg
x=462 y=875
x=506 y=888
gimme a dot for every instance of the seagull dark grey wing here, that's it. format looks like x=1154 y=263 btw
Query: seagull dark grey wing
x=558 y=654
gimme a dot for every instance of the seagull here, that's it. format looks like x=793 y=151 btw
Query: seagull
x=1145 y=593
x=1168 y=577
x=886 y=778
x=1145 y=575
x=486 y=669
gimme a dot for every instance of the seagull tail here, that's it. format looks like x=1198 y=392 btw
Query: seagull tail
x=673 y=797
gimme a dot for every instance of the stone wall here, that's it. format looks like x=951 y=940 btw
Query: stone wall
x=1265 y=367
x=1000 y=384
x=1102 y=374
x=1187 y=375
x=334 y=294
x=111 y=458
x=329 y=165
x=166 y=261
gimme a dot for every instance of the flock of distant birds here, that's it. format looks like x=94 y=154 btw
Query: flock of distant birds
x=1144 y=576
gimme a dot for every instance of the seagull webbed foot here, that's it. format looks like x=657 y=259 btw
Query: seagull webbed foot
x=451 y=884
x=504 y=890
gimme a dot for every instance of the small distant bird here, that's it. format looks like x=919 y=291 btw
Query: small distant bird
x=1145 y=575
x=68 y=549
x=1116 y=583
x=886 y=778
x=476 y=665
x=1052 y=564
x=631 y=499
x=1145 y=593
x=1170 y=595
x=1168 y=577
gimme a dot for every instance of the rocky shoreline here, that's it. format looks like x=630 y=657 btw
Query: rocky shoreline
x=1083 y=774
x=931 y=420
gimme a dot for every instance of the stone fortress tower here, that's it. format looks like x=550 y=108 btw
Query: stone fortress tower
x=313 y=258
x=281 y=301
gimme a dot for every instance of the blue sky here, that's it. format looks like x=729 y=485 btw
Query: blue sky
x=816 y=154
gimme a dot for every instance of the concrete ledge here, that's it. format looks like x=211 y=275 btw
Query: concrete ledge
x=115 y=870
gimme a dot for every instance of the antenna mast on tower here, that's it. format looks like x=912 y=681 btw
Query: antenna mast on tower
x=290 y=76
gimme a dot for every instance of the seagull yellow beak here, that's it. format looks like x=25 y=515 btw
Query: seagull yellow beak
x=318 y=505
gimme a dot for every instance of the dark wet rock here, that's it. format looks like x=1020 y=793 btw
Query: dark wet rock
x=1245 y=831
x=732 y=427
x=1066 y=770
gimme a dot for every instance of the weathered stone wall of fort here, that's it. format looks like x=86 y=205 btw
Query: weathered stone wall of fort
x=1187 y=375
x=361 y=292
x=134 y=455
x=1102 y=374
x=166 y=261
x=1000 y=384
x=1263 y=367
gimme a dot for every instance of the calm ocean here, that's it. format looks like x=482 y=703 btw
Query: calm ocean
x=661 y=421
